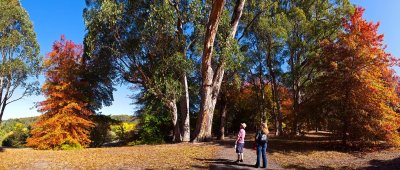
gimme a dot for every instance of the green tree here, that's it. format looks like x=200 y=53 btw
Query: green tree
x=265 y=36
x=310 y=23
x=213 y=74
x=17 y=137
x=144 y=44
x=19 y=53
x=100 y=133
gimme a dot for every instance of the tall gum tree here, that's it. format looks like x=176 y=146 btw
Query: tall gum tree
x=19 y=53
x=146 y=44
x=310 y=23
x=212 y=78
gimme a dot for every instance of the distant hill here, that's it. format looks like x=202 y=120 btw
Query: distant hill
x=30 y=120
x=125 y=118
x=25 y=120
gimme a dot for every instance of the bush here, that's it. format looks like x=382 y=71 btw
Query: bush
x=101 y=133
x=155 y=128
x=16 y=138
x=124 y=131
x=73 y=146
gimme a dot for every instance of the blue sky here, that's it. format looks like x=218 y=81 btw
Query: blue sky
x=51 y=18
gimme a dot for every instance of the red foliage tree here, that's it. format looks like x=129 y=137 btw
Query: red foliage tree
x=357 y=87
x=65 y=120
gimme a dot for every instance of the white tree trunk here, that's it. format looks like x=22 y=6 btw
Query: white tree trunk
x=184 y=104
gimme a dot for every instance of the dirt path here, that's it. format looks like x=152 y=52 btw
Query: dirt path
x=226 y=157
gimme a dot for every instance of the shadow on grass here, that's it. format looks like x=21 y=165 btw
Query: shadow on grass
x=299 y=167
x=310 y=142
x=393 y=164
x=319 y=142
x=388 y=164
x=224 y=164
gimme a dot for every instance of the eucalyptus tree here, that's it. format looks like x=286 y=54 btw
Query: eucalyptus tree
x=267 y=33
x=147 y=44
x=19 y=53
x=212 y=73
x=310 y=23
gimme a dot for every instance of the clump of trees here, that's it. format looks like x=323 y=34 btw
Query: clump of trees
x=203 y=67
x=243 y=60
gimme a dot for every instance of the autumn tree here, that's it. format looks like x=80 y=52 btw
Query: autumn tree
x=357 y=87
x=19 y=53
x=65 y=122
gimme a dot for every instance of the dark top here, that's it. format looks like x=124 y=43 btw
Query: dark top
x=261 y=138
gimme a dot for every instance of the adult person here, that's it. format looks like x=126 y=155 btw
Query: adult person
x=261 y=141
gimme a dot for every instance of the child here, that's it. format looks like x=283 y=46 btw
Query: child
x=239 y=144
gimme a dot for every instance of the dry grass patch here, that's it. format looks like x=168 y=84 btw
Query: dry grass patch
x=169 y=156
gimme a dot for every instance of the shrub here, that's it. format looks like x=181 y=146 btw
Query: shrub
x=73 y=146
x=101 y=132
x=16 y=138
x=155 y=128
x=124 y=131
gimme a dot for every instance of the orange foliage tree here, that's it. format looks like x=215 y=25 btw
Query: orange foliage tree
x=65 y=121
x=356 y=88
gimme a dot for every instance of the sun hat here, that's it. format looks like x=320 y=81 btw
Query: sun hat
x=243 y=125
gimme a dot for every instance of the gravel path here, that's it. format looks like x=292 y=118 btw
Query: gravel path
x=227 y=156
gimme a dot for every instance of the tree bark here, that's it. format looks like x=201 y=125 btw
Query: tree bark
x=174 y=111
x=295 y=125
x=203 y=126
x=223 y=111
x=262 y=85
x=294 y=62
x=184 y=104
x=184 y=100
x=275 y=90
x=211 y=82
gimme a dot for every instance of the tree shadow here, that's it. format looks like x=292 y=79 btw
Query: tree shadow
x=299 y=167
x=225 y=164
x=294 y=145
x=393 y=164
x=230 y=143
x=315 y=141
x=387 y=164
x=312 y=142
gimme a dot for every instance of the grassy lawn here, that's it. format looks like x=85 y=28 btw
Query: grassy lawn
x=313 y=151
x=181 y=156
